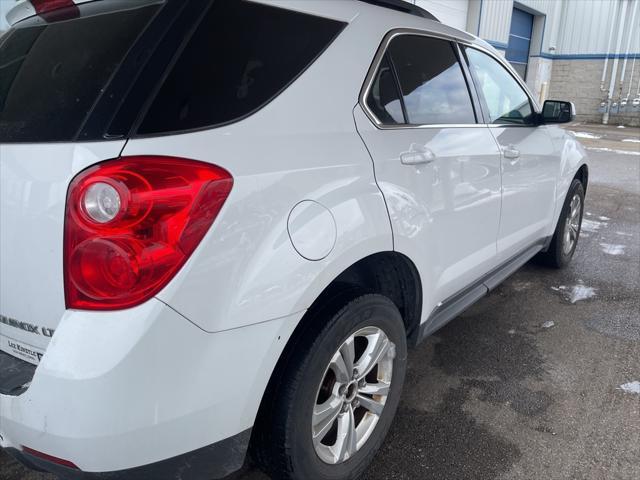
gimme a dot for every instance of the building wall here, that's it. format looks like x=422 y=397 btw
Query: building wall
x=576 y=36
x=579 y=81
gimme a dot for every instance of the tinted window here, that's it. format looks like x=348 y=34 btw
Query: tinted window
x=384 y=97
x=505 y=99
x=51 y=75
x=431 y=80
x=240 y=57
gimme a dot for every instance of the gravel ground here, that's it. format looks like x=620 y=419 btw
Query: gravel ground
x=527 y=383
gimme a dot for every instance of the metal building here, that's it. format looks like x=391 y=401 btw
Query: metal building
x=586 y=51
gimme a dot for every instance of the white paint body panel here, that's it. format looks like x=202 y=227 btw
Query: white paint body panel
x=110 y=380
x=33 y=192
x=96 y=396
x=446 y=214
x=528 y=187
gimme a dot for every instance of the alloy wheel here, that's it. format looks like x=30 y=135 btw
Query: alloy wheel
x=572 y=225
x=352 y=395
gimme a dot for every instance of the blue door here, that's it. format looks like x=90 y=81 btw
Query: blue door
x=520 y=41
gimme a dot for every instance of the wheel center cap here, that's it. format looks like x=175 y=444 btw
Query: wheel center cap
x=352 y=391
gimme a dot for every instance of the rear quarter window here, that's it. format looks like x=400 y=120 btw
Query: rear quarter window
x=241 y=56
x=51 y=75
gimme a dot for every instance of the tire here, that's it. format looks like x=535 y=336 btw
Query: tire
x=561 y=252
x=285 y=447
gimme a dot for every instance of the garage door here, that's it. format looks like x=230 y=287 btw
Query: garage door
x=450 y=12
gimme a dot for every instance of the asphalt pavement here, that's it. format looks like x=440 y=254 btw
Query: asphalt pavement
x=536 y=381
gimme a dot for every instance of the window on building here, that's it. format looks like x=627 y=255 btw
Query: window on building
x=384 y=97
x=432 y=83
x=241 y=56
x=504 y=98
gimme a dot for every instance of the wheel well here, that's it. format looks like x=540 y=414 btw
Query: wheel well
x=387 y=273
x=583 y=176
x=393 y=275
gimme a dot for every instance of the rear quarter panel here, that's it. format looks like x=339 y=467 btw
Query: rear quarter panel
x=301 y=146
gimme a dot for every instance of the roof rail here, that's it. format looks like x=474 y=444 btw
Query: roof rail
x=403 y=6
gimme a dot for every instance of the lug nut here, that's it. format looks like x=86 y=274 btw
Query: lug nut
x=342 y=390
x=362 y=384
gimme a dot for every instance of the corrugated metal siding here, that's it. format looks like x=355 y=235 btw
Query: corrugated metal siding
x=541 y=6
x=496 y=20
x=574 y=27
x=586 y=25
x=449 y=12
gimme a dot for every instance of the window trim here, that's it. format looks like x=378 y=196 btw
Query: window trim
x=474 y=93
x=373 y=70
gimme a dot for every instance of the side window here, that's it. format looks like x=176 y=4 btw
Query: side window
x=433 y=86
x=384 y=97
x=505 y=99
x=241 y=56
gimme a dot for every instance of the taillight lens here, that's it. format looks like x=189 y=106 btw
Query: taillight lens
x=131 y=223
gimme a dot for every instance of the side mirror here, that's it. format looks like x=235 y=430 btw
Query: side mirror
x=558 y=111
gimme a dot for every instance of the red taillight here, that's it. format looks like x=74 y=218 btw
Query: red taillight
x=131 y=223
x=50 y=458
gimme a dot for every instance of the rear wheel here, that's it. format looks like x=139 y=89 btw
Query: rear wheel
x=338 y=393
x=565 y=238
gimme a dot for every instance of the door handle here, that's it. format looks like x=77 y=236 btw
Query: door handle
x=417 y=155
x=511 y=152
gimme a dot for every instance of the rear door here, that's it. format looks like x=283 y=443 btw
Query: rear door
x=530 y=163
x=437 y=165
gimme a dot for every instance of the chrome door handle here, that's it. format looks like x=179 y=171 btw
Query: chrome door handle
x=511 y=152
x=417 y=155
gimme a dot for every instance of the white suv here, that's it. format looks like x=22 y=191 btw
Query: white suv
x=222 y=223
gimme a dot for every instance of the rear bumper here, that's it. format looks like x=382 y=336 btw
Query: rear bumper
x=212 y=462
x=124 y=391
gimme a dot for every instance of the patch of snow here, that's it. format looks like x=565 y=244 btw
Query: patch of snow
x=631 y=140
x=624 y=234
x=611 y=249
x=512 y=332
x=621 y=126
x=631 y=387
x=548 y=324
x=589 y=214
x=586 y=135
x=619 y=152
x=575 y=293
x=604 y=219
x=581 y=292
x=592 y=225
